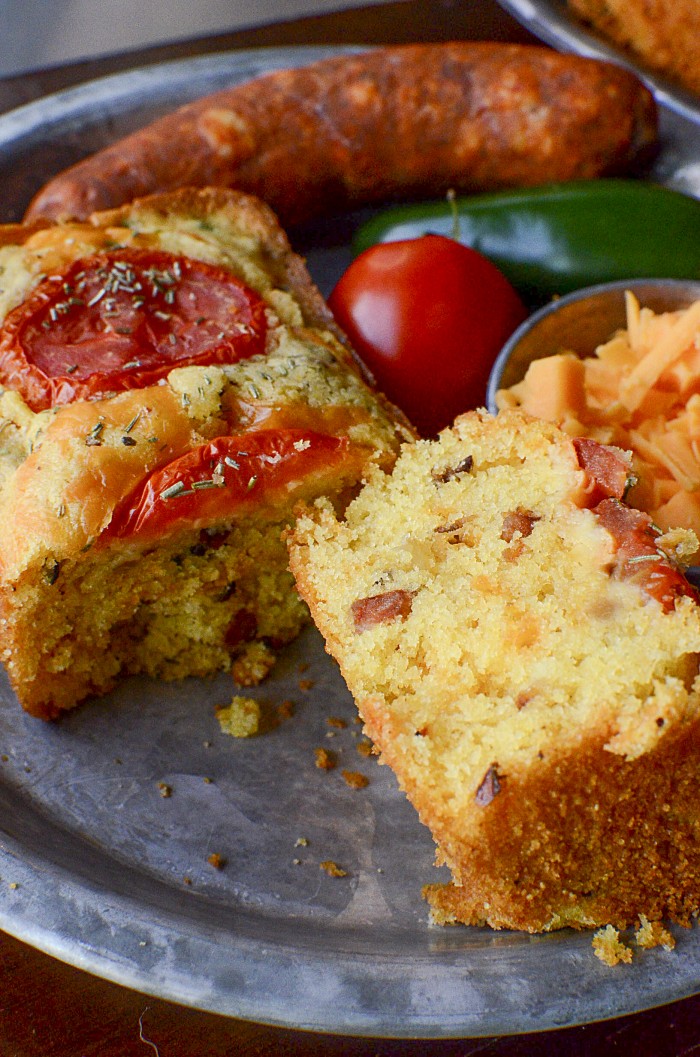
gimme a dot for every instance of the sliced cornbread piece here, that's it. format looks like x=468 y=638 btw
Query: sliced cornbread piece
x=524 y=654
x=173 y=382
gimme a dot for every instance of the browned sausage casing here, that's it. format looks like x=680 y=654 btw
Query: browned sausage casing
x=397 y=122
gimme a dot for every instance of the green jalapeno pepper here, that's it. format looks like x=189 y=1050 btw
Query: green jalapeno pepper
x=556 y=238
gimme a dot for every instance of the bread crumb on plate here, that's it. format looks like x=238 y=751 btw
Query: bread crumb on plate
x=608 y=946
x=240 y=719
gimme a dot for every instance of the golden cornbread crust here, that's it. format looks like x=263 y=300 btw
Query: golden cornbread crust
x=77 y=609
x=664 y=34
x=541 y=711
x=584 y=840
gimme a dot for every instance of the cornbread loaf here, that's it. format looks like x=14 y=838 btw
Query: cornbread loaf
x=663 y=34
x=399 y=122
x=172 y=383
x=523 y=650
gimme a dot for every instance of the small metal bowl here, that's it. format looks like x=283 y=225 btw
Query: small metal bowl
x=581 y=321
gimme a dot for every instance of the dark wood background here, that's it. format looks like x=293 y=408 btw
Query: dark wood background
x=48 y=1009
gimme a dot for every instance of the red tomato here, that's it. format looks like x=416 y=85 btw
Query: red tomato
x=637 y=556
x=608 y=473
x=428 y=317
x=123 y=320
x=216 y=481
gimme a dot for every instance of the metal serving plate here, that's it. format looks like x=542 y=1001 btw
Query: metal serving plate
x=94 y=860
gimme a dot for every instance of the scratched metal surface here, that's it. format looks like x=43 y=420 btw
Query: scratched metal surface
x=93 y=859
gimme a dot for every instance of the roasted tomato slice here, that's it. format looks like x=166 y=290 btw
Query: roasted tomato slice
x=608 y=473
x=122 y=320
x=222 y=479
x=637 y=556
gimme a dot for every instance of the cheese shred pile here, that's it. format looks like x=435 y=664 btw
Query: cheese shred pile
x=640 y=391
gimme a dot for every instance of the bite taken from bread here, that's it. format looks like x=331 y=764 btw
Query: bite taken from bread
x=523 y=649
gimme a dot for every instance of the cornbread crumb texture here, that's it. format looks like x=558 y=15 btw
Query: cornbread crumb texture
x=241 y=718
x=179 y=608
x=612 y=950
x=333 y=869
x=664 y=34
x=254 y=662
x=325 y=759
x=608 y=946
x=355 y=779
x=528 y=700
x=653 y=934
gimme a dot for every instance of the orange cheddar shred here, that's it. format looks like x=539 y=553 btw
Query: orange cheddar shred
x=640 y=391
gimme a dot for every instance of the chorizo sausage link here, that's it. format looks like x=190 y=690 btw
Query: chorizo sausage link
x=397 y=122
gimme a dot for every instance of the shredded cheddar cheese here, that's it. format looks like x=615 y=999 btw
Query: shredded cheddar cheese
x=640 y=391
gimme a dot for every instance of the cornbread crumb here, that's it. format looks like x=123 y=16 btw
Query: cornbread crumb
x=332 y=868
x=662 y=34
x=285 y=710
x=240 y=719
x=679 y=544
x=216 y=860
x=336 y=721
x=165 y=790
x=301 y=842
x=355 y=780
x=608 y=946
x=325 y=759
x=364 y=747
x=253 y=665
x=653 y=934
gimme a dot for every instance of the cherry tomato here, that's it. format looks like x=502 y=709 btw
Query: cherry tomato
x=218 y=480
x=123 y=320
x=428 y=317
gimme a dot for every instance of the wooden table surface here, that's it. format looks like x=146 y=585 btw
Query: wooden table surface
x=48 y=1009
